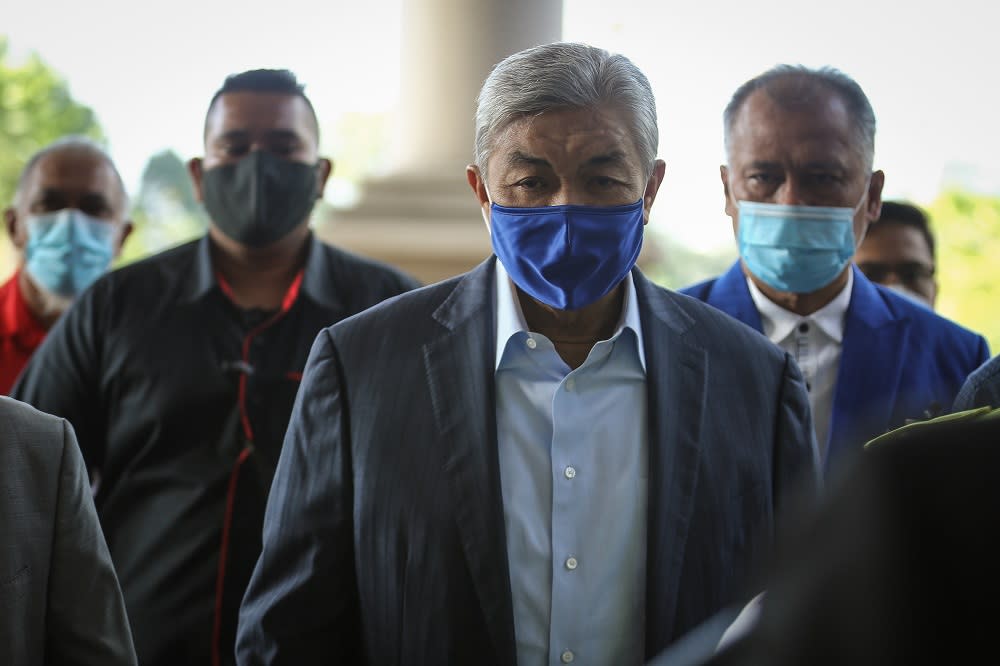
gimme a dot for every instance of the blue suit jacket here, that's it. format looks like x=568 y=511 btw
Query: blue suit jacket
x=899 y=360
x=384 y=536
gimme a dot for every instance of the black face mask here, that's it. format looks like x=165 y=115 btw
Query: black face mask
x=259 y=199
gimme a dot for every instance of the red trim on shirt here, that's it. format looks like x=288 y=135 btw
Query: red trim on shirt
x=220 y=582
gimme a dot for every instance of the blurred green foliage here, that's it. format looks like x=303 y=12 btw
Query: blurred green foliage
x=36 y=108
x=165 y=211
x=967 y=228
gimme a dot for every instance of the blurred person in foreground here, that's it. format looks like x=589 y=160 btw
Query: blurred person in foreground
x=179 y=372
x=59 y=597
x=801 y=192
x=558 y=460
x=897 y=563
x=67 y=222
x=981 y=389
x=898 y=252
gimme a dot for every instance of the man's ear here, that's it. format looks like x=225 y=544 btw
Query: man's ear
x=652 y=187
x=323 y=170
x=13 y=228
x=874 y=205
x=126 y=231
x=730 y=206
x=195 y=170
x=478 y=185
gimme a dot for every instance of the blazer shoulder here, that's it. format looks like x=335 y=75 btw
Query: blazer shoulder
x=718 y=332
x=402 y=315
x=25 y=425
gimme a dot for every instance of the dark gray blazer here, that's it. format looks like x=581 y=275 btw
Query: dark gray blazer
x=59 y=597
x=384 y=534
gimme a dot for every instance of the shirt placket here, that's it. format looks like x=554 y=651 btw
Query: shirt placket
x=568 y=500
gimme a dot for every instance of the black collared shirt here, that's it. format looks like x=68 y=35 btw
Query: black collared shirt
x=180 y=401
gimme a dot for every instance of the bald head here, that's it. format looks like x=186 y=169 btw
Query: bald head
x=796 y=88
x=75 y=159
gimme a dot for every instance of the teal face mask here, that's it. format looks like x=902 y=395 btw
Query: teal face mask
x=67 y=250
x=796 y=249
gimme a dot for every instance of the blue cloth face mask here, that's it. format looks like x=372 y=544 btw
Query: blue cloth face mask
x=567 y=256
x=795 y=248
x=67 y=250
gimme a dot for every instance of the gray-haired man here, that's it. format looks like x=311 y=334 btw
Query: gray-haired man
x=545 y=460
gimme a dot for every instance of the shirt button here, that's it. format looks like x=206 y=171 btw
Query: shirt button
x=571 y=563
x=531 y=343
x=570 y=472
x=803 y=327
x=567 y=656
x=570 y=384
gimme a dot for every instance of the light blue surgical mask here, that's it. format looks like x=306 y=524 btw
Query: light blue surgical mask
x=67 y=250
x=797 y=249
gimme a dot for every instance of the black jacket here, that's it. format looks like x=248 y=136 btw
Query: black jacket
x=180 y=401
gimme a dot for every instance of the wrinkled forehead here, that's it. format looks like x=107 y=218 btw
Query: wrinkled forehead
x=74 y=171
x=566 y=136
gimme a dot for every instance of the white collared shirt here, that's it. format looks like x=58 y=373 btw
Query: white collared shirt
x=573 y=454
x=815 y=342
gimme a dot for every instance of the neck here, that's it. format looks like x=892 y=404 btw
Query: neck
x=45 y=307
x=574 y=332
x=803 y=304
x=259 y=277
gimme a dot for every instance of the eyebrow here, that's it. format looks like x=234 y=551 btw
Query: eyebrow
x=517 y=158
x=763 y=164
x=239 y=135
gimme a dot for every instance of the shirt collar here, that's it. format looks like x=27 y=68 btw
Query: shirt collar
x=315 y=279
x=779 y=323
x=510 y=317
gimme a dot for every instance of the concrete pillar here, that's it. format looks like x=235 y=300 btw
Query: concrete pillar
x=423 y=217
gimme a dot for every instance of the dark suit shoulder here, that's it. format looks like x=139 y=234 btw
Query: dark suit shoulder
x=717 y=331
x=404 y=316
x=24 y=425
x=926 y=320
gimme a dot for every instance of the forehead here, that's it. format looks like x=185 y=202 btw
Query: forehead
x=566 y=137
x=889 y=241
x=819 y=130
x=255 y=112
x=73 y=171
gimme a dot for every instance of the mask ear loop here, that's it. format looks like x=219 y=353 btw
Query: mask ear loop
x=482 y=210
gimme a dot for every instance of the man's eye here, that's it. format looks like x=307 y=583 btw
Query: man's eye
x=762 y=178
x=605 y=182
x=234 y=149
x=529 y=183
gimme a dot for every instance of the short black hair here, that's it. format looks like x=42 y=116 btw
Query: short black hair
x=906 y=214
x=280 y=81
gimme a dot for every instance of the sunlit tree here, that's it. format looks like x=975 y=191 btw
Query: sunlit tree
x=967 y=228
x=36 y=108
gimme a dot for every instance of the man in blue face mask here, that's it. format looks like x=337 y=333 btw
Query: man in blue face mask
x=801 y=193
x=545 y=459
x=68 y=221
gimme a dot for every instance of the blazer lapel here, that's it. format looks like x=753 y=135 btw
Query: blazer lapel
x=874 y=347
x=675 y=384
x=731 y=295
x=459 y=365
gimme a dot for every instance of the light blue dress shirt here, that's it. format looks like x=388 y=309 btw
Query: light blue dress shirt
x=573 y=472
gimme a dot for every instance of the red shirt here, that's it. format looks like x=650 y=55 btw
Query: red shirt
x=20 y=333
